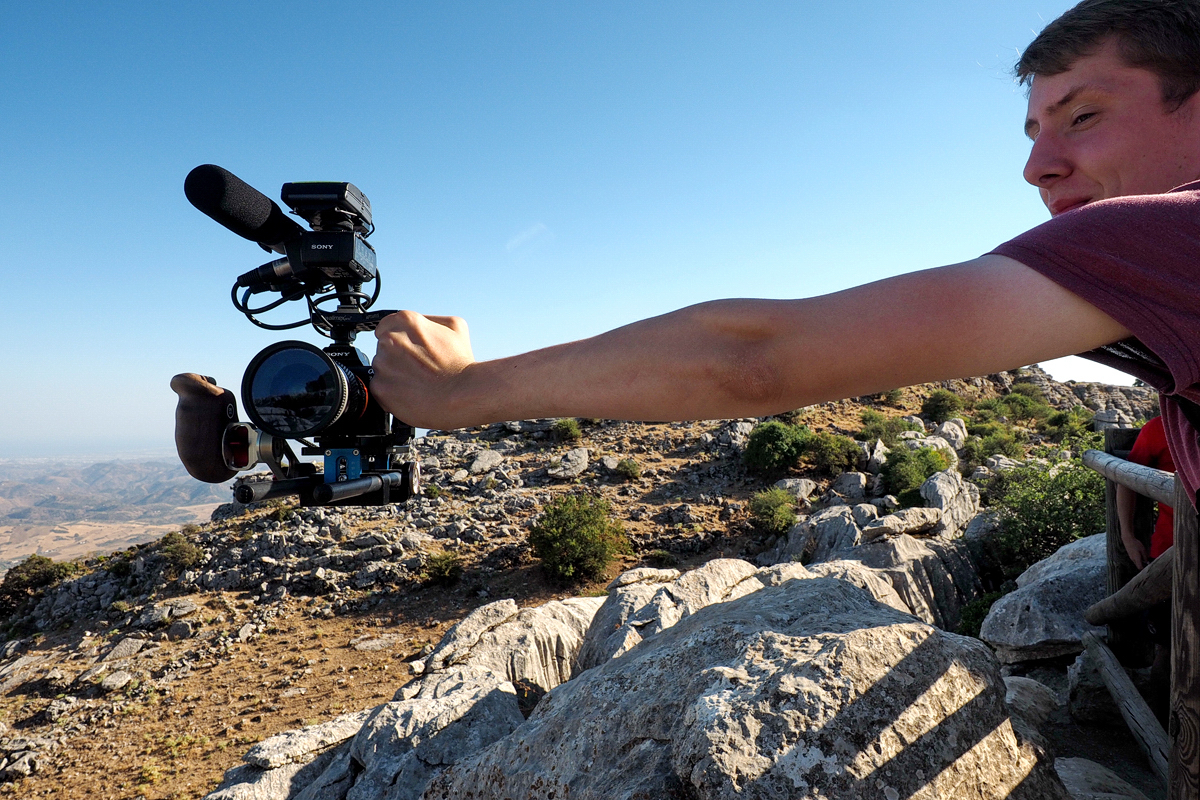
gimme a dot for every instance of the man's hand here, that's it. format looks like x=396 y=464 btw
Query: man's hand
x=417 y=363
x=1126 y=507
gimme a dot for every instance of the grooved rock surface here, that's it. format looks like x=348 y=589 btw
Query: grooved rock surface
x=1043 y=618
x=808 y=689
x=1087 y=780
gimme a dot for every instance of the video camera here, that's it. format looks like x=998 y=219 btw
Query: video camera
x=293 y=390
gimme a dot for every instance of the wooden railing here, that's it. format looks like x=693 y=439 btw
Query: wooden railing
x=1174 y=753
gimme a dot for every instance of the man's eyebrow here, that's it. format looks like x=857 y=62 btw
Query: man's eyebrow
x=1031 y=124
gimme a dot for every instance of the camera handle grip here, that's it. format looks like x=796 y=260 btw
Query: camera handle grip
x=203 y=411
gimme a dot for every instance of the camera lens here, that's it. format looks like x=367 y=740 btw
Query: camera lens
x=292 y=389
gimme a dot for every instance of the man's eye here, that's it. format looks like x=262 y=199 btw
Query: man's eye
x=1083 y=118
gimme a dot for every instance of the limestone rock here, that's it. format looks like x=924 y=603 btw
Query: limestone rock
x=572 y=464
x=485 y=461
x=852 y=486
x=1087 y=780
x=935 y=579
x=910 y=521
x=303 y=745
x=800 y=488
x=1088 y=698
x=953 y=431
x=1043 y=618
x=293 y=781
x=641 y=609
x=957 y=499
x=809 y=689
x=125 y=648
x=935 y=442
x=1033 y=700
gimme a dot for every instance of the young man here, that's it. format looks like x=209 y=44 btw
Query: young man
x=1114 y=116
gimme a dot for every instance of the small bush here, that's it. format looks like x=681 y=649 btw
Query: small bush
x=1001 y=443
x=575 y=538
x=877 y=426
x=941 y=405
x=893 y=397
x=432 y=491
x=831 y=453
x=975 y=612
x=443 y=568
x=774 y=447
x=906 y=470
x=1067 y=425
x=567 y=429
x=1043 y=509
x=1028 y=390
x=32 y=577
x=178 y=552
x=773 y=511
x=629 y=469
x=1023 y=407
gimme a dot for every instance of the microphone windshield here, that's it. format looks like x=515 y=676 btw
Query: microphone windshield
x=239 y=206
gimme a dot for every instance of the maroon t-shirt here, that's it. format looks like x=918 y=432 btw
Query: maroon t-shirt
x=1137 y=259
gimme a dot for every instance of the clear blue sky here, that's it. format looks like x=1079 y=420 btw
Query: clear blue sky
x=546 y=170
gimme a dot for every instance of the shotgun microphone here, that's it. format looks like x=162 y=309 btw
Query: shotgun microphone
x=240 y=207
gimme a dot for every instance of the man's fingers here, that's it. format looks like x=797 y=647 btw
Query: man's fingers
x=456 y=324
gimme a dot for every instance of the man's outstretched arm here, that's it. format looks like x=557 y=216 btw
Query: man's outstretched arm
x=738 y=358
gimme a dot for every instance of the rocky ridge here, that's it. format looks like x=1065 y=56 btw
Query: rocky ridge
x=143 y=624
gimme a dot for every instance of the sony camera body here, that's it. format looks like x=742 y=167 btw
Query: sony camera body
x=292 y=390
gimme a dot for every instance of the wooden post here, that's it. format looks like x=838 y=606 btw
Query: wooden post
x=1184 y=728
x=1125 y=637
x=1138 y=716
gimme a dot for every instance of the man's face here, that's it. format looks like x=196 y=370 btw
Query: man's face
x=1101 y=130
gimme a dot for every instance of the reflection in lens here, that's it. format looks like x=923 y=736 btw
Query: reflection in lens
x=294 y=391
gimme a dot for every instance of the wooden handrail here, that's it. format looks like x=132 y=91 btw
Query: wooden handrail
x=1151 y=482
x=1148 y=588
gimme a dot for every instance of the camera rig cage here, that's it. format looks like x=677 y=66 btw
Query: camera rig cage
x=293 y=390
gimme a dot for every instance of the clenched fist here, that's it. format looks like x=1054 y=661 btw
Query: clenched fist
x=420 y=367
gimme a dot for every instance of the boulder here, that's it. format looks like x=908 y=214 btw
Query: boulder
x=918 y=441
x=800 y=488
x=953 y=431
x=935 y=579
x=572 y=464
x=302 y=746
x=851 y=486
x=1032 y=700
x=957 y=499
x=807 y=689
x=874 y=456
x=1087 y=780
x=485 y=461
x=910 y=521
x=1043 y=618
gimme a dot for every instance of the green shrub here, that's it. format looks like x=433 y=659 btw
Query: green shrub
x=941 y=405
x=774 y=446
x=178 y=552
x=575 y=538
x=1023 y=407
x=773 y=511
x=1029 y=390
x=629 y=469
x=905 y=471
x=567 y=429
x=1067 y=425
x=443 y=568
x=32 y=577
x=1043 y=509
x=877 y=426
x=432 y=491
x=1001 y=443
x=831 y=453
x=893 y=397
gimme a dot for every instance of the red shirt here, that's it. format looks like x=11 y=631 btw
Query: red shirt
x=1151 y=450
x=1137 y=259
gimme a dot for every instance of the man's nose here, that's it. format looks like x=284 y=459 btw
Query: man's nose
x=1047 y=163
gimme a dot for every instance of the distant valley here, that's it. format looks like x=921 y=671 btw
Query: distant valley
x=65 y=509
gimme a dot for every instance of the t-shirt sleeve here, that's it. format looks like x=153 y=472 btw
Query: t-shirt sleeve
x=1137 y=259
x=1150 y=444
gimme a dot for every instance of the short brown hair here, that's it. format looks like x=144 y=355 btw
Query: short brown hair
x=1162 y=36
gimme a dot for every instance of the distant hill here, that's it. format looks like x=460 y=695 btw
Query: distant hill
x=49 y=492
